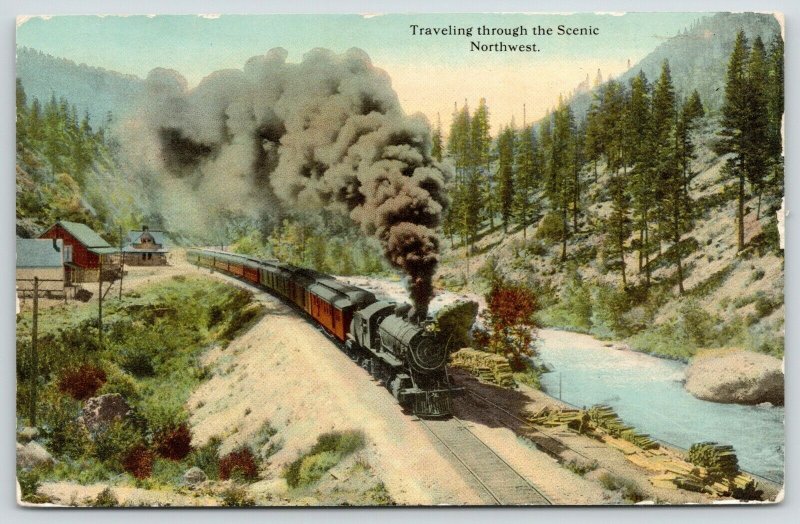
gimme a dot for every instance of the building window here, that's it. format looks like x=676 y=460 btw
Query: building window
x=67 y=253
x=144 y=256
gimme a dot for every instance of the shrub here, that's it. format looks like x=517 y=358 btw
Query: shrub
x=236 y=497
x=113 y=443
x=551 y=228
x=64 y=434
x=207 y=458
x=83 y=382
x=628 y=489
x=137 y=361
x=765 y=305
x=105 y=499
x=581 y=467
x=119 y=382
x=326 y=453
x=139 y=461
x=175 y=443
x=239 y=464
x=29 y=482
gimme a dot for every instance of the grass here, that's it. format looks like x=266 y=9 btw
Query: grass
x=150 y=356
x=329 y=450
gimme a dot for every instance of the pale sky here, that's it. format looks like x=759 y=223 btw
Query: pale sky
x=429 y=73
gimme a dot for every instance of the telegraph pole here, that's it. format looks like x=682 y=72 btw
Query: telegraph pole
x=34 y=352
x=121 y=262
x=100 y=301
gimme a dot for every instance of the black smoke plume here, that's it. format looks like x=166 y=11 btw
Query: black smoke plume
x=325 y=133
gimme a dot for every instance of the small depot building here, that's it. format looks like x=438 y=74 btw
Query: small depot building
x=84 y=252
x=42 y=259
x=145 y=247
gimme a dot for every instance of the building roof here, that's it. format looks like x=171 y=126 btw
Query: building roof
x=83 y=234
x=158 y=237
x=104 y=250
x=39 y=252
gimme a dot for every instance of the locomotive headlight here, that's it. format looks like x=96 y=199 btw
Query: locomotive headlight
x=429 y=355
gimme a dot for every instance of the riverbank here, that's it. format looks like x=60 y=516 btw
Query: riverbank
x=647 y=392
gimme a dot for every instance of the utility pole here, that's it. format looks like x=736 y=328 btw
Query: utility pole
x=34 y=353
x=121 y=262
x=100 y=301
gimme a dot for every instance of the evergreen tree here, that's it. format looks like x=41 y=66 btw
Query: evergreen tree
x=757 y=131
x=560 y=169
x=505 y=173
x=436 y=139
x=734 y=126
x=674 y=204
x=618 y=225
x=593 y=142
x=639 y=126
x=528 y=176
x=480 y=145
x=775 y=112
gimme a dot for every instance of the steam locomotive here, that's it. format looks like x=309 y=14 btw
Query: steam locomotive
x=401 y=353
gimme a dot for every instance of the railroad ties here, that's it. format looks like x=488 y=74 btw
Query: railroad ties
x=493 y=478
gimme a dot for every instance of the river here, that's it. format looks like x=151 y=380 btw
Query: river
x=647 y=393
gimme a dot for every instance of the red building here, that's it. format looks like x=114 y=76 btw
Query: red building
x=84 y=251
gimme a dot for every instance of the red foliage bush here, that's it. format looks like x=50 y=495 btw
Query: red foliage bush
x=510 y=318
x=139 y=461
x=238 y=463
x=175 y=443
x=83 y=382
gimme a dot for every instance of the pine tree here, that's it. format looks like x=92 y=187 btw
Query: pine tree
x=618 y=225
x=734 y=126
x=480 y=157
x=639 y=126
x=757 y=132
x=436 y=140
x=528 y=176
x=775 y=112
x=593 y=143
x=674 y=205
x=505 y=173
x=560 y=169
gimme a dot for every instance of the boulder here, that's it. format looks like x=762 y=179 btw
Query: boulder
x=99 y=412
x=194 y=476
x=735 y=377
x=27 y=434
x=31 y=455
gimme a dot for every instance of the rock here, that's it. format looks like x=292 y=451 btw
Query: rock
x=27 y=434
x=103 y=410
x=194 y=476
x=736 y=377
x=31 y=455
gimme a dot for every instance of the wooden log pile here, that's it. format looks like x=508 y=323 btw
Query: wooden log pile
x=486 y=367
x=719 y=460
x=576 y=419
x=605 y=417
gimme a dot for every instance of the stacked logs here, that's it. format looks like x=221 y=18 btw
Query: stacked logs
x=486 y=367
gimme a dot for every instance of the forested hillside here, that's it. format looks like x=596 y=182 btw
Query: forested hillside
x=652 y=219
x=66 y=170
x=92 y=89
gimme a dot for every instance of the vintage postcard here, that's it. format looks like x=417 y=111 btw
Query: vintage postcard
x=411 y=260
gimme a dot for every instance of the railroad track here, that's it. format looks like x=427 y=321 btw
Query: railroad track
x=543 y=440
x=493 y=478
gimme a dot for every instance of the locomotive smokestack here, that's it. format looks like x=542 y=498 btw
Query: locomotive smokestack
x=327 y=133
